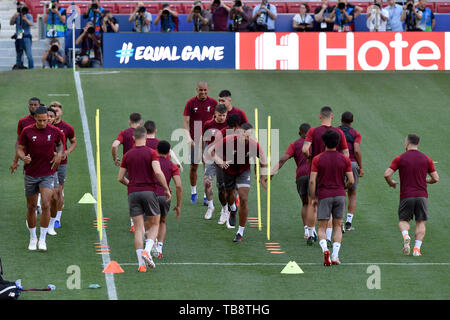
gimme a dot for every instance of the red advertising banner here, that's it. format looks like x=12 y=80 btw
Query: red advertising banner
x=343 y=51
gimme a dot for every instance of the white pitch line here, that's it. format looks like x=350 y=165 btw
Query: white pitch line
x=111 y=287
x=58 y=94
x=299 y=263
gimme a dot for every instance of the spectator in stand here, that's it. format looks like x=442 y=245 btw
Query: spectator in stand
x=428 y=21
x=241 y=16
x=109 y=23
x=55 y=19
x=344 y=16
x=54 y=57
x=94 y=14
x=90 y=56
x=142 y=19
x=264 y=15
x=394 y=23
x=168 y=18
x=377 y=17
x=411 y=16
x=322 y=17
x=302 y=21
x=220 y=12
x=23 y=21
x=200 y=17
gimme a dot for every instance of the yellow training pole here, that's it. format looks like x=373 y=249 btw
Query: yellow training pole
x=258 y=189
x=99 y=190
x=268 y=176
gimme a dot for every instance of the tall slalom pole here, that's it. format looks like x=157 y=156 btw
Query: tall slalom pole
x=258 y=187
x=73 y=44
x=268 y=176
x=99 y=189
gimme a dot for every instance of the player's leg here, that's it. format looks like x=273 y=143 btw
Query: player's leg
x=46 y=190
x=62 y=172
x=405 y=214
x=243 y=211
x=138 y=221
x=31 y=218
x=53 y=206
x=338 y=213
x=164 y=207
x=210 y=172
x=421 y=216
x=224 y=212
x=152 y=211
x=352 y=198
x=323 y=215
x=230 y=195
x=311 y=217
x=302 y=189
x=193 y=173
x=329 y=231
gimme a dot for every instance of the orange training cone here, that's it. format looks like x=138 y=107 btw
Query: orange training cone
x=113 y=267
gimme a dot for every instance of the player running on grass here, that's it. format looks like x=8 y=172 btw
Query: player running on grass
x=413 y=166
x=210 y=129
x=36 y=148
x=314 y=142
x=328 y=172
x=302 y=174
x=69 y=135
x=171 y=172
x=353 y=139
x=233 y=155
x=125 y=138
x=144 y=172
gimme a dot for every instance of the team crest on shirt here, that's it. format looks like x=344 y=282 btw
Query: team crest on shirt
x=34 y=138
x=49 y=137
x=195 y=109
x=209 y=108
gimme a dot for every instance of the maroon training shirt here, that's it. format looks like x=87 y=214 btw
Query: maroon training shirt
x=152 y=143
x=314 y=135
x=169 y=169
x=138 y=162
x=214 y=128
x=413 y=167
x=241 y=114
x=295 y=150
x=126 y=139
x=351 y=145
x=25 y=122
x=68 y=132
x=40 y=145
x=199 y=110
x=331 y=167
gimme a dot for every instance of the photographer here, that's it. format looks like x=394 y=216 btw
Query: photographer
x=428 y=21
x=264 y=16
x=220 y=12
x=377 y=17
x=168 y=18
x=322 y=17
x=302 y=21
x=344 y=16
x=394 y=14
x=241 y=16
x=90 y=47
x=109 y=23
x=55 y=19
x=23 y=21
x=200 y=17
x=142 y=19
x=54 y=57
x=411 y=16
x=94 y=14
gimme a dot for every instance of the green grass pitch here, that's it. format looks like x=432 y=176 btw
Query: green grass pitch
x=200 y=259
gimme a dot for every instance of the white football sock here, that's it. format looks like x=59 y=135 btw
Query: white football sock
x=51 y=225
x=311 y=231
x=329 y=231
x=139 y=256
x=323 y=245
x=131 y=221
x=349 y=217
x=32 y=233
x=336 y=247
x=241 y=230
x=159 y=247
x=58 y=215
x=233 y=207
x=211 y=204
x=204 y=196
x=149 y=245
x=306 y=231
x=43 y=234
x=405 y=234
x=225 y=208
x=193 y=189
x=418 y=244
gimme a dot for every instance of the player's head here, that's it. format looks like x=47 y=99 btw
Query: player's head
x=150 y=126
x=163 y=147
x=412 y=141
x=58 y=108
x=135 y=119
x=347 y=118
x=326 y=113
x=233 y=121
x=202 y=90
x=246 y=131
x=139 y=133
x=303 y=129
x=33 y=104
x=51 y=112
x=220 y=113
x=41 y=117
x=331 y=139
x=225 y=97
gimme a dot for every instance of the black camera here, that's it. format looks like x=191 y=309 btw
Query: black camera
x=238 y=3
x=377 y=4
x=341 y=5
x=141 y=9
x=91 y=30
x=197 y=9
x=94 y=6
x=54 y=48
x=409 y=6
x=216 y=3
x=22 y=10
x=165 y=12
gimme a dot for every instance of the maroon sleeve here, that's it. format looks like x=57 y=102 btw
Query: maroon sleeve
x=394 y=164
x=155 y=155
x=19 y=127
x=309 y=135
x=315 y=164
x=343 y=143
x=290 y=150
x=348 y=165
x=22 y=139
x=71 y=133
x=124 y=161
x=244 y=116
x=187 y=109
x=358 y=137
x=120 y=137
x=175 y=170
x=431 y=167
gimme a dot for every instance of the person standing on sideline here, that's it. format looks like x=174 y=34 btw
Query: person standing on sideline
x=23 y=39
x=144 y=173
x=413 y=166
x=328 y=172
x=353 y=139
x=36 y=148
x=197 y=111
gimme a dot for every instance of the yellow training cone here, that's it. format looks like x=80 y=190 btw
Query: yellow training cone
x=292 y=268
x=87 y=198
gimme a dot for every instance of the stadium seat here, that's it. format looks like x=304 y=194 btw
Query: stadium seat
x=126 y=8
x=187 y=7
x=363 y=5
x=281 y=7
x=293 y=7
x=109 y=6
x=153 y=7
x=313 y=6
x=443 y=7
x=178 y=7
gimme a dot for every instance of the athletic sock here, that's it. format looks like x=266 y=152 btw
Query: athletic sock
x=323 y=245
x=39 y=200
x=329 y=231
x=43 y=234
x=405 y=234
x=193 y=189
x=418 y=244
x=32 y=233
x=311 y=231
x=225 y=208
x=139 y=256
x=336 y=247
x=159 y=246
x=306 y=228
x=204 y=196
x=241 y=230
x=149 y=245
x=131 y=221
x=211 y=204
x=52 y=223
x=233 y=207
x=349 y=217
x=58 y=215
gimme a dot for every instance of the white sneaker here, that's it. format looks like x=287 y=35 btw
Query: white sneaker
x=406 y=246
x=223 y=216
x=51 y=231
x=42 y=245
x=154 y=251
x=209 y=212
x=33 y=244
x=148 y=259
